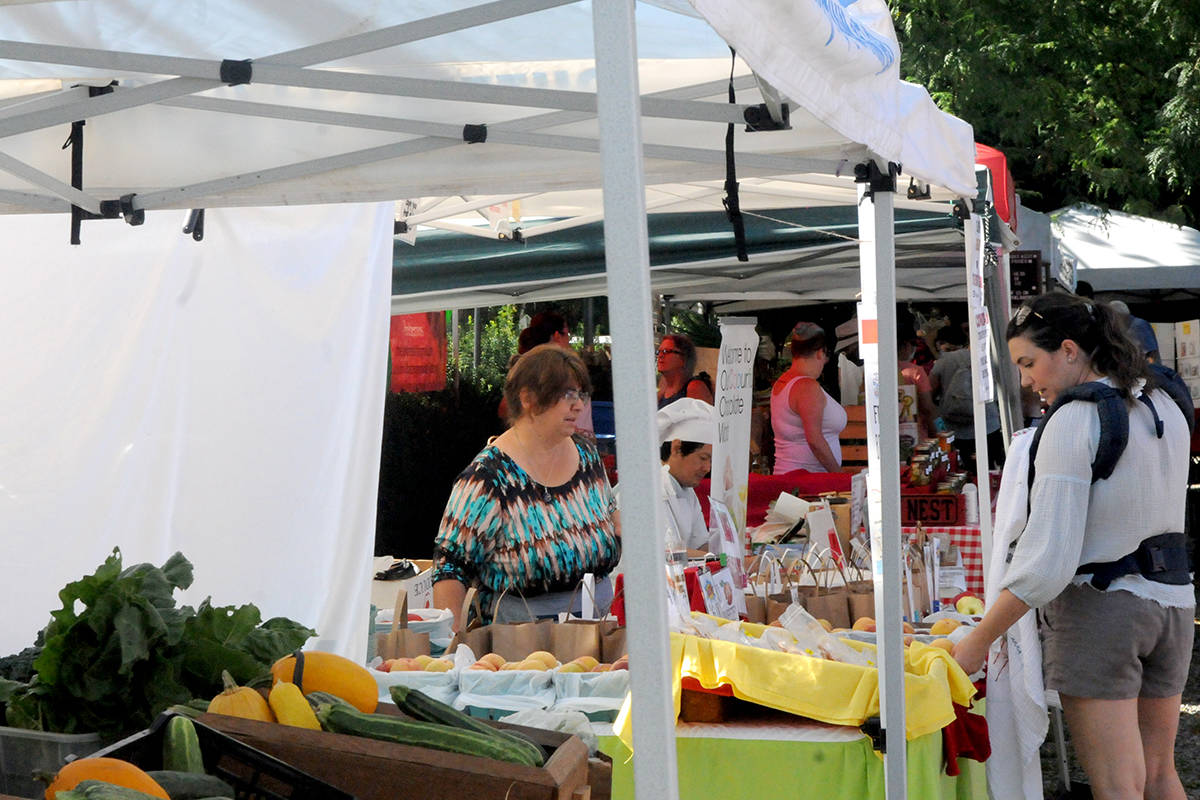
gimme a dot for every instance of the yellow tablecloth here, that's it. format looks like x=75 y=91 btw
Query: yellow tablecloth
x=828 y=691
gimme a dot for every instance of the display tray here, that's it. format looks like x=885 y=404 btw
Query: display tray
x=252 y=773
x=376 y=770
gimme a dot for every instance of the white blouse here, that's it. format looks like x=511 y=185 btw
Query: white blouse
x=1073 y=521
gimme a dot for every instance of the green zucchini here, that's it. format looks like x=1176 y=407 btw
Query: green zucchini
x=181 y=748
x=421 y=706
x=184 y=710
x=315 y=699
x=101 y=790
x=388 y=728
x=190 y=785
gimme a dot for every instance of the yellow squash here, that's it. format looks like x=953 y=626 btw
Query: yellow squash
x=315 y=671
x=240 y=701
x=290 y=707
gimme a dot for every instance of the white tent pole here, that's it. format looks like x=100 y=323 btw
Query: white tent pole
x=877 y=345
x=38 y=178
x=627 y=256
x=973 y=230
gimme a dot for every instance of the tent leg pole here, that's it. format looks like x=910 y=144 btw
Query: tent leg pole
x=877 y=345
x=627 y=257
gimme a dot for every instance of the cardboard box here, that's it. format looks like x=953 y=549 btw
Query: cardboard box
x=1187 y=339
x=419 y=587
x=1164 y=332
x=376 y=770
x=1188 y=368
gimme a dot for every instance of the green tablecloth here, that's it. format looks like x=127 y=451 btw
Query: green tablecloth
x=796 y=760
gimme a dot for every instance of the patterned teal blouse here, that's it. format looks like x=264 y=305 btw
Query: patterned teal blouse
x=503 y=530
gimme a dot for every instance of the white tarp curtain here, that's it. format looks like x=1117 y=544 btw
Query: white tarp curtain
x=222 y=398
x=1115 y=251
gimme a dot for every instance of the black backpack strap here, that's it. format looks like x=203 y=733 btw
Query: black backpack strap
x=1114 y=427
x=1170 y=382
x=1158 y=423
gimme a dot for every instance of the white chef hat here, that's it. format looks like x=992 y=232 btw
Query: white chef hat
x=687 y=419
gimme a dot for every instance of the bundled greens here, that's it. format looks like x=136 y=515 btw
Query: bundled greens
x=120 y=651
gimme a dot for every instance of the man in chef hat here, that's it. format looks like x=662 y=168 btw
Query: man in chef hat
x=686 y=429
x=685 y=432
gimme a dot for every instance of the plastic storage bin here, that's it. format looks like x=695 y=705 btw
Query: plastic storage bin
x=23 y=751
x=252 y=773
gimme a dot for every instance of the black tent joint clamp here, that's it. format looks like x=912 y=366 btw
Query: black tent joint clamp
x=235 y=73
x=873 y=727
x=133 y=216
x=474 y=134
x=876 y=181
x=758 y=118
x=195 y=224
x=917 y=191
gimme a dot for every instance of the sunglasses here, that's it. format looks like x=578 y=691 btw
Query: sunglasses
x=576 y=395
x=1023 y=314
x=669 y=351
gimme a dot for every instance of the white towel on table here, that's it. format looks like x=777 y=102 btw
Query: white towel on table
x=1016 y=701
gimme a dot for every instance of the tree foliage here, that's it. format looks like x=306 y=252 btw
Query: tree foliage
x=1089 y=101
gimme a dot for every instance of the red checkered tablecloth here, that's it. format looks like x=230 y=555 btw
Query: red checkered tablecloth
x=966 y=537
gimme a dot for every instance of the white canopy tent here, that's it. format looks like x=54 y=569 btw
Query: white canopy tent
x=387 y=116
x=1115 y=251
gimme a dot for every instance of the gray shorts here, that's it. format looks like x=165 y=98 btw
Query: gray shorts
x=1115 y=645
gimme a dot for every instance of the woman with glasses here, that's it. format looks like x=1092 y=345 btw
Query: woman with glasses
x=677 y=372
x=534 y=511
x=807 y=421
x=1101 y=554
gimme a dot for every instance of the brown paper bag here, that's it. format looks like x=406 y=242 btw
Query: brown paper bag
x=516 y=640
x=612 y=642
x=472 y=632
x=400 y=642
x=575 y=638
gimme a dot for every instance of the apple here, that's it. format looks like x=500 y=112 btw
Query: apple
x=423 y=660
x=602 y=668
x=533 y=664
x=589 y=662
x=971 y=606
x=621 y=663
x=572 y=666
x=383 y=667
x=510 y=665
x=403 y=665
x=486 y=665
x=439 y=665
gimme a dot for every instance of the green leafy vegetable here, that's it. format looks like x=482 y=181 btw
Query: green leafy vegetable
x=129 y=652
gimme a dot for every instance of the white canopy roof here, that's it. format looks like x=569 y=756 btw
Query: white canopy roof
x=351 y=101
x=1115 y=251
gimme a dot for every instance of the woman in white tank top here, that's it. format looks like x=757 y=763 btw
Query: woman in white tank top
x=806 y=420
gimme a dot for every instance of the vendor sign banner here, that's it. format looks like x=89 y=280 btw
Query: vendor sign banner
x=734 y=399
x=418 y=352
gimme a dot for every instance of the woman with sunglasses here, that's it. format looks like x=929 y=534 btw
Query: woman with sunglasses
x=534 y=511
x=807 y=421
x=1101 y=554
x=677 y=372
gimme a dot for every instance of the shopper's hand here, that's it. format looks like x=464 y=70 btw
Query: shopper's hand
x=971 y=652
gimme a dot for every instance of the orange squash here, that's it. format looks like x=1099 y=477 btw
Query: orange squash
x=109 y=770
x=329 y=672
x=240 y=701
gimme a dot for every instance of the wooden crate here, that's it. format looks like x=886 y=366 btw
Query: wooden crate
x=375 y=770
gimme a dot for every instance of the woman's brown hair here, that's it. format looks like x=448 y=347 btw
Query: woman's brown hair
x=546 y=371
x=1049 y=319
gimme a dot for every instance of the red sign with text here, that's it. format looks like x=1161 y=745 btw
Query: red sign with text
x=418 y=350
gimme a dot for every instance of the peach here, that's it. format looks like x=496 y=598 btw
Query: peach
x=423 y=660
x=483 y=665
x=863 y=624
x=943 y=626
x=495 y=659
x=589 y=662
x=943 y=643
x=572 y=666
x=439 y=665
x=547 y=659
x=533 y=664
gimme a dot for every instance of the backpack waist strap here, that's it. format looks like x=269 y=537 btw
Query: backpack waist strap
x=1162 y=559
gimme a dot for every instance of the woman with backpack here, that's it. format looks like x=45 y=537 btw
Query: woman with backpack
x=1102 y=553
